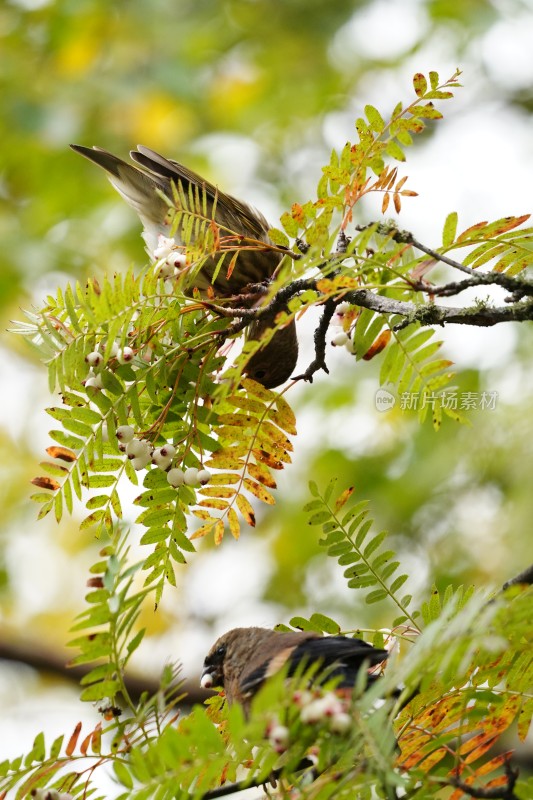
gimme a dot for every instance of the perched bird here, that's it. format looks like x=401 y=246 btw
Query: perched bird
x=243 y=658
x=142 y=186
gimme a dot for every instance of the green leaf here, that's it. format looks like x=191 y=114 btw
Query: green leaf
x=450 y=229
x=375 y=119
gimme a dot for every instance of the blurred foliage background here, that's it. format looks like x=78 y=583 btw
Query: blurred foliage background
x=254 y=94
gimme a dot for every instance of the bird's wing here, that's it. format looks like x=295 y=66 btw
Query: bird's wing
x=338 y=656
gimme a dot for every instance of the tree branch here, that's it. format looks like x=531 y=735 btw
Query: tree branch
x=44 y=660
x=491 y=793
x=319 y=361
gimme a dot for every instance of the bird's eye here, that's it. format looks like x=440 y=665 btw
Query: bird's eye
x=220 y=651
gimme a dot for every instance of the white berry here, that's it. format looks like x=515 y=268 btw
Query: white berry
x=125 y=355
x=175 y=477
x=342 y=308
x=92 y=381
x=168 y=450
x=340 y=339
x=94 y=359
x=125 y=433
x=164 y=246
x=138 y=447
x=140 y=462
x=191 y=476
x=176 y=260
x=204 y=476
x=279 y=737
x=341 y=722
x=160 y=460
x=207 y=681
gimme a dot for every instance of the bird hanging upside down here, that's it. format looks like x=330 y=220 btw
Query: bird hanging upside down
x=141 y=187
x=243 y=658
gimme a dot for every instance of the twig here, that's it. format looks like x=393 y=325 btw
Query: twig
x=319 y=361
x=492 y=793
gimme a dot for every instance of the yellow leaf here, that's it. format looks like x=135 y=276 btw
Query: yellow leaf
x=246 y=510
x=259 y=491
x=344 y=497
x=262 y=474
x=283 y=416
x=233 y=522
x=220 y=505
x=205 y=529
x=218 y=491
x=257 y=389
x=219 y=532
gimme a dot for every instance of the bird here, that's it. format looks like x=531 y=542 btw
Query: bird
x=242 y=659
x=145 y=184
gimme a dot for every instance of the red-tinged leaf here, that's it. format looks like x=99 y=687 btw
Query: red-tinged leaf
x=397 y=202
x=264 y=457
x=234 y=524
x=408 y=193
x=420 y=84
x=494 y=763
x=343 y=498
x=219 y=532
x=55 y=451
x=84 y=746
x=298 y=213
x=44 y=482
x=246 y=510
x=262 y=474
x=507 y=224
x=477 y=746
x=96 y=739
x=422 y=268
x=201 y=514
x=471 y=232
x=231 y=265
x=214 y=230
x=72 y=742
x=289 y=223
x=385 y=202
x=378 y=345
x=259 y=491
x=427 y=763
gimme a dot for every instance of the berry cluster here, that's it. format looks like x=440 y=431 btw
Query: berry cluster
x=315 y=708
x=169 y=261
x=95 y=360
x=344 y=318
x=141 y=453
